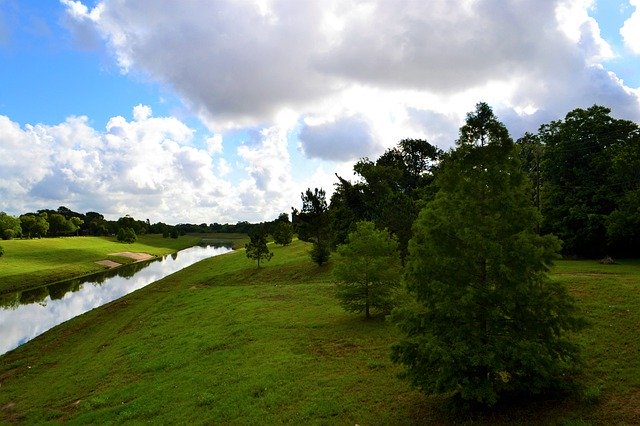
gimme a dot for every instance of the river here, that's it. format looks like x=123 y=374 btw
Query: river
x=27 y=314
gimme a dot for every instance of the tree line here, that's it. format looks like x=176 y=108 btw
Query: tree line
x=585 y=182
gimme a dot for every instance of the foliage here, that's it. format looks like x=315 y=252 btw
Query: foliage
x=388 y=192
x=320 y=252
x=59 y=225
x=257 y=249
x=367 y=270
x=34 y=225
x=488 y=321
x=1 y=251
x=312 y=224
x=591 y=162
x=282 y=230
x=127 y=235
x=9 y=226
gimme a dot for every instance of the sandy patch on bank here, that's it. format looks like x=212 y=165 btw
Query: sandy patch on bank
x=108 y=263
x=135 y=256
x=138 y=257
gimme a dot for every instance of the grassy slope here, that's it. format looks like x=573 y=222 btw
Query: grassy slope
x=224 y=342
x=37 y=262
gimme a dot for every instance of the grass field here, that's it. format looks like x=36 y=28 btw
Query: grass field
x=37 y=262
x=225 y=342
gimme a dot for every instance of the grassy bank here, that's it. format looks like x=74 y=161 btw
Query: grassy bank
x=225 y=342
x=37 y=262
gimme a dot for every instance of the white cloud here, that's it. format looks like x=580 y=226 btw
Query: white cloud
x=630 y=30
x=348 y=78
x=238 y=63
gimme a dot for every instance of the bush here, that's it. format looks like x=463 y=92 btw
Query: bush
x=127 y=235
x=8 y=234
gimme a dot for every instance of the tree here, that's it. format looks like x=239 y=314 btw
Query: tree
x=367 y=270
x=313 y=224
x=388 y=192
x=282 y=230
x=487 y=320
x=59 y=225
x=256 y=248
x=34 y=225
x=127 y=235
x=590 y=163
x=9 y=226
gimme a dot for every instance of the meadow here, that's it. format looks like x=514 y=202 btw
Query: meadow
x=223 y=342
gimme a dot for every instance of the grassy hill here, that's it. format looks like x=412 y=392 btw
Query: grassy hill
x=225 y=342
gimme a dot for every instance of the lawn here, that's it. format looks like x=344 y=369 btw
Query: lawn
x=37 y=262
x=225 y=342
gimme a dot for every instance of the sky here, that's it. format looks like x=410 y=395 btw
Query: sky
x=207 y=111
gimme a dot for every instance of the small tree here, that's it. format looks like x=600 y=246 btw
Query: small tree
x=320 y=252
x=127 y=235
x=367 y=270
x=257 y=249
x=283 y=233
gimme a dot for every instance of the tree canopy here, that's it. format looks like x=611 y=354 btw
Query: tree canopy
x=487 y=321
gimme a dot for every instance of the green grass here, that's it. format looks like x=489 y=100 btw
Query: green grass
x=37 y=262
x=224 y=342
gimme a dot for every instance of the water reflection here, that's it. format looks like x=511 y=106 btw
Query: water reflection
x=27 y=314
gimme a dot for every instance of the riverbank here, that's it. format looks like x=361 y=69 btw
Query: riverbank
x=225 y=342
x=37 y=262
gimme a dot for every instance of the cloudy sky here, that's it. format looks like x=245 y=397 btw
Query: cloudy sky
x=220 y=111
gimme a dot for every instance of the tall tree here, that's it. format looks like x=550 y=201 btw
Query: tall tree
x=312 y=223
x=585 y=155
x=256 y=248
x=367 y=270
x=488 y=321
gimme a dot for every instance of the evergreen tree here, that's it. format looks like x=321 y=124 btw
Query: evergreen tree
x=488 y=320
x=367 y=270
x=256 y=248
x=312 y=224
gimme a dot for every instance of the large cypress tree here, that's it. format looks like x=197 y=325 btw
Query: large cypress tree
x=488 y=321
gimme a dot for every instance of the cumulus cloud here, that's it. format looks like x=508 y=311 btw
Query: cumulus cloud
x=239 y=63
x=343 y=79
x=630 y=30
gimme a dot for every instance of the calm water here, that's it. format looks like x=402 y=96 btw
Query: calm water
x=25 y=315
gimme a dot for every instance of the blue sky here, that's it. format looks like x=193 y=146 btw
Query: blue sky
x=223 y=111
